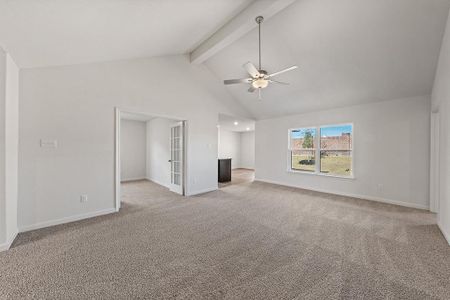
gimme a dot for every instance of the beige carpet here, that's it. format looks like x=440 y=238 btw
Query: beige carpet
x=239 y=176
x=245 y=241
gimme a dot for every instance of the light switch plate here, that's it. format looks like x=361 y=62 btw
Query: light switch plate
x=49 y=143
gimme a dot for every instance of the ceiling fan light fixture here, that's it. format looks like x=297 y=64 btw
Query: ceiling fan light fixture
x=260 y=83
x=259 y=78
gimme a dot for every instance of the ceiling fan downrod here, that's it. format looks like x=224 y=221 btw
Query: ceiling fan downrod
x=259 y=20
x=259 y=78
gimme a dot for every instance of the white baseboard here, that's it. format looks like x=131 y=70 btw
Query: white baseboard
x=133 y=179
x=66 y=220
x=7 y=245
x=444 y=233
x=194 y=193
x=364 y=197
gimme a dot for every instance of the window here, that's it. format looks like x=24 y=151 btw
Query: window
x=303 y=150
x=334 y=152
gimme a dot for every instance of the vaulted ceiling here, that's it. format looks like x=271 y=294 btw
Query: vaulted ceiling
x=47 y=32
x=349 y=52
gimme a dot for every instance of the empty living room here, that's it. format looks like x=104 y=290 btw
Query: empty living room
x=225 y=149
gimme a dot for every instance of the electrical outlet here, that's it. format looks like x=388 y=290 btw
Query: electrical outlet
x=83 y=198
x=379 y=187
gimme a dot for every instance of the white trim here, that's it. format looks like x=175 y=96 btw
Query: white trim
x=434 y=163
x=133 y=179
x=4 y=247
x=185 y=156
x=444 y=233
x=140 y=112
x=7 y=245
x=202 y=191
x=177 y=188
x=321 y=174
x=363 y=197
x=117 y=159
x=317 y=149
x=67 y=220
x=117 y=181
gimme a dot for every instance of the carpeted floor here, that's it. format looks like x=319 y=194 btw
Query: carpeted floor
x=239 y=176
x=245 y=241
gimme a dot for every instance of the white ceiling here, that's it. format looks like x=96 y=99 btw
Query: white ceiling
x=228 y=123
x=349 y=52
x=64 y=32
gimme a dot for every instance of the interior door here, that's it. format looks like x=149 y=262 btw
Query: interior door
x=177 y=158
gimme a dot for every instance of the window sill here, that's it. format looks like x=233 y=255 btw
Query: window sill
x=351 y=177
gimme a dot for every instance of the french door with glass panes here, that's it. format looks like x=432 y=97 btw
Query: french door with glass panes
x=177 y=158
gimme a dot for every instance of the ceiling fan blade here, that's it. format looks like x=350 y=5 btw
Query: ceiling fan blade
x=279 y=82
x=251 y=89
x=283 y=71
x=235 y=81
x=251 y=69
x=259 y=94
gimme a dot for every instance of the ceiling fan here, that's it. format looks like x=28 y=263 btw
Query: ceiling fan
x=260 y=78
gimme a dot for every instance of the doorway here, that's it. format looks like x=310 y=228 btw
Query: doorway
x=150 y=155
x=236 y=150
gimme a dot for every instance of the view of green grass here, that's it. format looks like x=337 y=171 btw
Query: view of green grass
x=333 y=165
x=302 y=167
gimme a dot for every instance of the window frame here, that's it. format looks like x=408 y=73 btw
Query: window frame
x=316 y=133
x=317 y=142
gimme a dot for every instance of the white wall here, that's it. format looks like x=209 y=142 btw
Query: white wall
x=247 y=150
x=239 y=146
x=158 y=150
x=133 y=148
x=230 y=146
x=441 y=104
x=75 y=106
x=391 y=151
x=9 y=142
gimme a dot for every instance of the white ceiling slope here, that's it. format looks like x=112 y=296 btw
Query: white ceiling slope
x=238 y=26
x=349 y=52
x=48 y=33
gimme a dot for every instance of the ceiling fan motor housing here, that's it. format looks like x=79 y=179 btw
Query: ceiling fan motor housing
x=259 y=78
x=262 y=73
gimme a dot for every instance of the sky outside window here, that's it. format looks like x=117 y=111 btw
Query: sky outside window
x=335 y=130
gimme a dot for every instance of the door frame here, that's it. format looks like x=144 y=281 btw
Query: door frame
x=182 y=191
x=434 y=163
x=117 y=124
